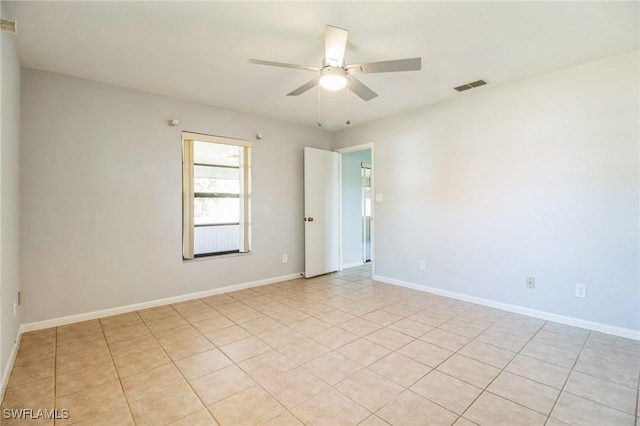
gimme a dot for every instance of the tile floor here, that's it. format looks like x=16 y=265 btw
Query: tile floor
x=335 y=350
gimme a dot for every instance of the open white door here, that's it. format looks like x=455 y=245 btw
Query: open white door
x=321 y=212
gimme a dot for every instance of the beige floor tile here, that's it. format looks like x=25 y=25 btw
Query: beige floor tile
x=221 y=384
x=210 y=325
x=32 y=394
x=122 y=320
x=335 y=317
x=129 y=347
x=80 y=344
x=199 y=418
x=364 y=352
x=294 y=387
x=411 y=409
x=559 y=340
x=578 y=411
x=469 y=370
x=425 y=353
x=177 y=334
x=40 y=338
x=568 y=331
x=334 y=337
x=487 y=353
x=252 y=406
x=284 y=419
x=114 y=335
x=502 y=340
x=330 y=408
x=165 y=406
x=121 y=416
x=143 y=384
x=462 y=328
x=32 y=372
x=188 y=306
x=81 y=379
x=310 y=326
x=356 y=309
x=82 y=360
x=141 y=361
x=550 y=354
x=534 y=395
x=188 y=347
x=290 y=316
x=166 y=323
x=78 y=330
x=273 y=308
x=382 y=318
x=369 y=389
x=93 y=401
x=261 y=325
x=464 y=422
x=490 y=409
x=31 y=355
x=332 y=367
x=390 y=339
x=227 y=335
x=445 y=339
x=201 y=315
x=267 y=365
x=245 y=349
x=160 y=312
x=539 y=371
x=447 y=391
x=598 y=390
x=303 y=350
x=373 y=420
x=202 y=364
x=218 y=300
x=410 y=327
x=360 y=326
x=280 y=336
x=402 y=370
x=245 y=315
x=602 y=366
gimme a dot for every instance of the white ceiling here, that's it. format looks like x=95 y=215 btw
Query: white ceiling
x=198 y=51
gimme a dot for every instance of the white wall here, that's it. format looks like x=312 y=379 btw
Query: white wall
x=9 y=193
x=537 y=178
x=101 y=204
x=352 y=205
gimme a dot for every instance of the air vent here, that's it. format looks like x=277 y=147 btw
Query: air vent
x=471 y=85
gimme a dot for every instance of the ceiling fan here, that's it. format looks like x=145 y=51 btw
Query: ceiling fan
x=335 y=74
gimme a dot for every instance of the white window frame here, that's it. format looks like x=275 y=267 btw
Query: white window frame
x=188 y=138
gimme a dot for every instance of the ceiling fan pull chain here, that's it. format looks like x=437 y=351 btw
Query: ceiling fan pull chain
x=348 y=107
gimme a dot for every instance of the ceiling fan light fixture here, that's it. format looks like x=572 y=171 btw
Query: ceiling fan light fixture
x=333 y=78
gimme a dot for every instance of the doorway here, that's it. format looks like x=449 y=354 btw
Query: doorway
x=356 y=183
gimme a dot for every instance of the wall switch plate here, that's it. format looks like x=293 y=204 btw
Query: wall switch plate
x=285 y=258
x=531 y=282
x=581 y=290
x=423 y=265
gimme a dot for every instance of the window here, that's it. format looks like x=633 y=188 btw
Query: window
x=215 y=195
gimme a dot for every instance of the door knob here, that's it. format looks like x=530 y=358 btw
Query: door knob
x=308 y=219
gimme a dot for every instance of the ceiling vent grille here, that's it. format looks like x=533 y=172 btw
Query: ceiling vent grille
x=471 y=85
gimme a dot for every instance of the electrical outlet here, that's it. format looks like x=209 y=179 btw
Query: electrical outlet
x=285 y=258
x=423 y=265
x=581 y=290
x=531 y=282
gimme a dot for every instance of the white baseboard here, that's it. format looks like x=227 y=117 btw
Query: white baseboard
x=9 y=366
x=576 y=322
x=56 y=322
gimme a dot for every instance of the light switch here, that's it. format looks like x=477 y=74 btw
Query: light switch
x=379 y=198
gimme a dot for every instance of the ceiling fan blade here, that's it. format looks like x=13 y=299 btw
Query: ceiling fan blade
x=335 y=43
x=283 y=65
x=308 y=85
x=361 y=90
x=412 y=64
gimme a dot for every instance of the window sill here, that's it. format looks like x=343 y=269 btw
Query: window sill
x=215 y=256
